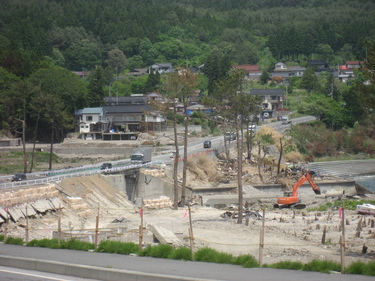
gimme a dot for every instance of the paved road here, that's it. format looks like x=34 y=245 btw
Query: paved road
x=344 y=169
x=104 y=266
x=17 y=274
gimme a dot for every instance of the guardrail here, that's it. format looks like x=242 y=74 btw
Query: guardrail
x=58 y=175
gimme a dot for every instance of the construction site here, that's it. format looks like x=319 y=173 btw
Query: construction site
x=74 y=207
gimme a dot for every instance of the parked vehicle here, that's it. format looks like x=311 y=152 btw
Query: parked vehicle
x=106 y=166
x=19 y=177
x=141 y=155
x=285 y=120
x=252 y=129
x=230 y=136
x=207 y=144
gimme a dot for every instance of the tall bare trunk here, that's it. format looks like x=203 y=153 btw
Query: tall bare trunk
x=175 y=164
x=184 y=168
x=259 y=162
x=51 y=148
x=239 y=173
x=34 y=141
x=24 y=146
x=280 y=157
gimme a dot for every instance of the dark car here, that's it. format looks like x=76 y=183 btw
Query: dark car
x=207 y=144
x=106 y=166
x=19 y=177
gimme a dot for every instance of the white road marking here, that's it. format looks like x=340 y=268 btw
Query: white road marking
x=34 y=275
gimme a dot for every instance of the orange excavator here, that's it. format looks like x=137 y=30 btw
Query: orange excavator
x=291 y=199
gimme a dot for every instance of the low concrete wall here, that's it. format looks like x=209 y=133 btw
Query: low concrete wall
x=85 y=271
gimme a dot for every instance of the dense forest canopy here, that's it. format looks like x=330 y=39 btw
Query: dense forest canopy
x=79 y=34
x=43 y=41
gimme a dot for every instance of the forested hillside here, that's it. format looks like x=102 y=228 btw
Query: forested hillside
x=43 y=41
x=79 y=34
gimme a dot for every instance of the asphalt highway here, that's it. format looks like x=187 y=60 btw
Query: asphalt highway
x=104 y=266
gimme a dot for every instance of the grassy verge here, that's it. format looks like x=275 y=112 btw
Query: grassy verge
x=204 y=254
x=348 y=204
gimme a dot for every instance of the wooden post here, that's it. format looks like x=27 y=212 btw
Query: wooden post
x=59 y=230
x=97 y=229
x=141 y=230
x=27 y=225
x=191 y=236
x=6 y=225
x=324 y=235
x=342 y=239
x=261 y=240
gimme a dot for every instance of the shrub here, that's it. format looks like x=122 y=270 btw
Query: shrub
x=74 y=244
x=1 y=237
x=361 y=268
x=117 y=247
x=44 y=243
x=181 y=253
x=322 y=266
x=158 y=251
x=247 y=261
x=14 y=241
x=210 y=255
x=286 y=265
x=357 y=267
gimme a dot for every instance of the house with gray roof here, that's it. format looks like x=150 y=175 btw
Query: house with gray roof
x=272 y=100
x=90 y=120
x=162 y=68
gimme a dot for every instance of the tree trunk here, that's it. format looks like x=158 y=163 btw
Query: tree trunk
x=24 y=146
x=183 y=188
x=280 y=157
x=34 y=141
x=177 y=155
x=51 y=149
x=259 y=163
x=239 y=172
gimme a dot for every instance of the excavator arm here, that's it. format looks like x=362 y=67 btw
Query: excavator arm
x=291 y=198
x=306 y=177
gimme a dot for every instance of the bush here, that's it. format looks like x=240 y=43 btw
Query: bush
x=14 y=241
x=44 y=243
x=1 y=237
x=211 y=255
x=181 y=253
x=117 y=247
x=247 y=261
x=361 y=268
x=158 y=251
x=322 y=266
x=74 y=244
x=286 y=265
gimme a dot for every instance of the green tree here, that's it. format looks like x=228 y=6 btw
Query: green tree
x=83 y=54
x=147 y=52
x=309 y=80
x=215 y=68
x=232 y=106
x=329 y=111
x=182 y=86
x=366 y=85
x=265 y=77
x=117 y=61
x=97 y=83
x=153 y=80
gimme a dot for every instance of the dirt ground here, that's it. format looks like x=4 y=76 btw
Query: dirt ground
x=294 y=235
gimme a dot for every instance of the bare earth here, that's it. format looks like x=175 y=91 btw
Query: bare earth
x=289 y=235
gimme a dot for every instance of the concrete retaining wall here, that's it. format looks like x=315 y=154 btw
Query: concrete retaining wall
x=85 y=271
